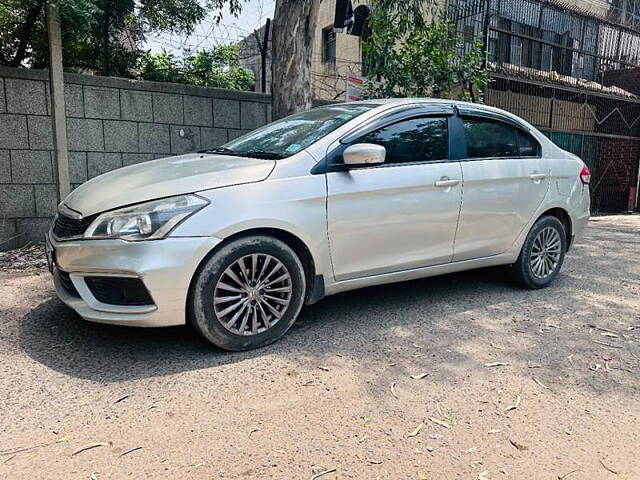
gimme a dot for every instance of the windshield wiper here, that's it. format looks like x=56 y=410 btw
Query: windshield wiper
x=220 y=150
x=263 y=154
x=254 y=153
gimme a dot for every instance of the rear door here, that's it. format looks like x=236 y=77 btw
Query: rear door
x=505 y=180
x=401 y=214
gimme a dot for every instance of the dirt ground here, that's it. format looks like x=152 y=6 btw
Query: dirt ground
x=463 y=376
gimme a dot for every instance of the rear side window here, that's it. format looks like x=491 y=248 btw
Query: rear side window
x=527 y=145
x=490 y=138
x=416 y=140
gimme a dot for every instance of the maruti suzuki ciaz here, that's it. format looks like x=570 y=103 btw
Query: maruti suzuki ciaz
x=237 y=239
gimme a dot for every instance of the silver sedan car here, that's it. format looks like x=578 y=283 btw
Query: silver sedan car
x=236 y=240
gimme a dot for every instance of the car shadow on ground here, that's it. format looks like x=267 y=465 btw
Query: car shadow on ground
x=57 y=337
x=455 y=318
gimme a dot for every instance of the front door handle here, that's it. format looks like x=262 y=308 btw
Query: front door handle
x=537 y=176
x=446 y=182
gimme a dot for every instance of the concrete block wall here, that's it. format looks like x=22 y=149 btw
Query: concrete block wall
x=111 y=122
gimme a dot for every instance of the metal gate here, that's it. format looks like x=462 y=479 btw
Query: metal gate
x=602 y=129
x=549 y=62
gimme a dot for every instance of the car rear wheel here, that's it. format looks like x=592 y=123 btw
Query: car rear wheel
x=542 y=254
x=248 y=294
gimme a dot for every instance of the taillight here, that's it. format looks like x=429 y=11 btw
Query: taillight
x=585 y=175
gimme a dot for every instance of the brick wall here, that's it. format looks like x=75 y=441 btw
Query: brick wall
x=615 y=173
x=111 y=122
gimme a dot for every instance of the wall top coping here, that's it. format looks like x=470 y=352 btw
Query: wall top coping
x=142 y=85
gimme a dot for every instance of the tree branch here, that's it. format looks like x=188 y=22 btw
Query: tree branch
x=25 y=34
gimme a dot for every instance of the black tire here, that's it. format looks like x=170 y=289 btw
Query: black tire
x=201 y=309
x=522 y=271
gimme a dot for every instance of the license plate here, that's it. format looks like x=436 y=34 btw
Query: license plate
x=49 y=251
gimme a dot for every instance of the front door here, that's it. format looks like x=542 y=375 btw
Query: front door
x=504 y=182
x=402 y=214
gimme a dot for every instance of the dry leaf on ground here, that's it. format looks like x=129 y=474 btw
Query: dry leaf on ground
x=515 y=405
x=497 y=364
x=416 y=431
x=439 y=422
x=518 y=445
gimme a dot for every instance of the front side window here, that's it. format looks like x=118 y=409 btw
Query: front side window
x=292 y=134
x=489 y=138
x=416 y=140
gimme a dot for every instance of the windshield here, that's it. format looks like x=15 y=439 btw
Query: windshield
x=288 y=136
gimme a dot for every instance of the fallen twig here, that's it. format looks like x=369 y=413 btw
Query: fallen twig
x=122 y=398
x=608 y=468
x=318 y=475
x=540 y=383
x=562 y=477
x=131 y=450
x=11 y=451
x=89 y=447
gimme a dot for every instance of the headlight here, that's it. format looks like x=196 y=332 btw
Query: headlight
x=145 y=221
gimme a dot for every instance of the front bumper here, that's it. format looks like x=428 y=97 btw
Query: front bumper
x=165 y=267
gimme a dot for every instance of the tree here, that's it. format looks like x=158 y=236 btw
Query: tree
x=294 y=26
x=100 y=35
x=216 y=67
x=408 y=55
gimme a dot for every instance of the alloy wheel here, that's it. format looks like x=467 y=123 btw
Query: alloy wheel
x=252 y=294
x=545 y=252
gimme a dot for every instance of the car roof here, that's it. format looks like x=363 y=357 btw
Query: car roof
x=386 y=103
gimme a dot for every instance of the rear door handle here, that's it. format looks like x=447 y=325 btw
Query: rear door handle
x=537 y=176
x=445 y=182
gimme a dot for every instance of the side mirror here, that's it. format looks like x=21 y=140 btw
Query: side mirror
x=364 y=154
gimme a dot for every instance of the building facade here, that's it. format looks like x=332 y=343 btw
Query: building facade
x=571 y=68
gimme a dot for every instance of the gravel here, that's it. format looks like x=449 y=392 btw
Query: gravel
x=26 y=259
x=562 y=394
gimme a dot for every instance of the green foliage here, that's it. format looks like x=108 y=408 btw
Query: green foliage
x=217 y=67
x=407 y=55
x=98 y=35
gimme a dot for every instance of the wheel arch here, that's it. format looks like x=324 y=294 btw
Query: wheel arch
x=314 y=282
x=562 y=215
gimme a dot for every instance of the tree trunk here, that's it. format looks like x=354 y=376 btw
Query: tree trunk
x=294 y=26
x=25 y=34
x=106 y=26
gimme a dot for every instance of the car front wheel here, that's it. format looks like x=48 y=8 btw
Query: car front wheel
x=248 y=293
x=542 y=254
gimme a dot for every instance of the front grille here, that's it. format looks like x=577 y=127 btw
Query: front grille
x=67 y=284
x=67 y=227
x=119 y=290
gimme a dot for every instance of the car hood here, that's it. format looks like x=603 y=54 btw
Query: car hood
x=163 y=178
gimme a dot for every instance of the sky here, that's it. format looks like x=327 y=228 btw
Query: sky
x=207 y=34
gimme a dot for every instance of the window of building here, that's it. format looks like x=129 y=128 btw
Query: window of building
x=329 y=44
x=416 y=140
